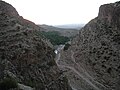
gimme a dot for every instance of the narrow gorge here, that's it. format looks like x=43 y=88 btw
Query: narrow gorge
x=89 y=61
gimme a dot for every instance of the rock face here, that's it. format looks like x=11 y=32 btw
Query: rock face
x=96 y=50
x=24 y=54
x=8 y=9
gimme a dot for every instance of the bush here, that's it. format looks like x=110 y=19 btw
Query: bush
x=66 y=46
x=8 y=83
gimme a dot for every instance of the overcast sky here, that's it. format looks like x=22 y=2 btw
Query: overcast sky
x=58 y=12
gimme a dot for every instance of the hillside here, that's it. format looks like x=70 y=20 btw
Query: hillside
x=55 y=38
x=26 y=59
x=62 y=31
x=92 y=62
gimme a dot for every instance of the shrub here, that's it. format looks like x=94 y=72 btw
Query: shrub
x=8 y=83
x=66 y=46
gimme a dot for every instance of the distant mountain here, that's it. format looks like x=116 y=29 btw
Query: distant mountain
x=71 y=26
x=62 y=31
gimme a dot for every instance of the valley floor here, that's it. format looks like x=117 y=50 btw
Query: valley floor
x=78 y=77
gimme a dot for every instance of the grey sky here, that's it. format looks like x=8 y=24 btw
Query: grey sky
x=57 y=12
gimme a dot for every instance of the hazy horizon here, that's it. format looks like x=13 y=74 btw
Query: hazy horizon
x=58 y=12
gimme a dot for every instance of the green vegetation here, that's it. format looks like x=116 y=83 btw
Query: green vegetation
x=8 y=83
x=31 y=83
x=55 y=37
x=66 y=46
x=34 y=84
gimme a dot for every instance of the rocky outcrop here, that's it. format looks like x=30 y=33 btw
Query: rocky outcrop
x=25 y=56
x=95 y=53
x=8 y=9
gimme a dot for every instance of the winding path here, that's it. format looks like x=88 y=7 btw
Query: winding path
x=79 y=71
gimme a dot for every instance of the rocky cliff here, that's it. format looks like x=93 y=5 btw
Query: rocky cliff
x=25 y=57
x=94 y=55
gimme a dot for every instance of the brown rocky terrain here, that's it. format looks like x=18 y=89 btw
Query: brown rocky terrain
x=93 y=60
x=25 y=56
